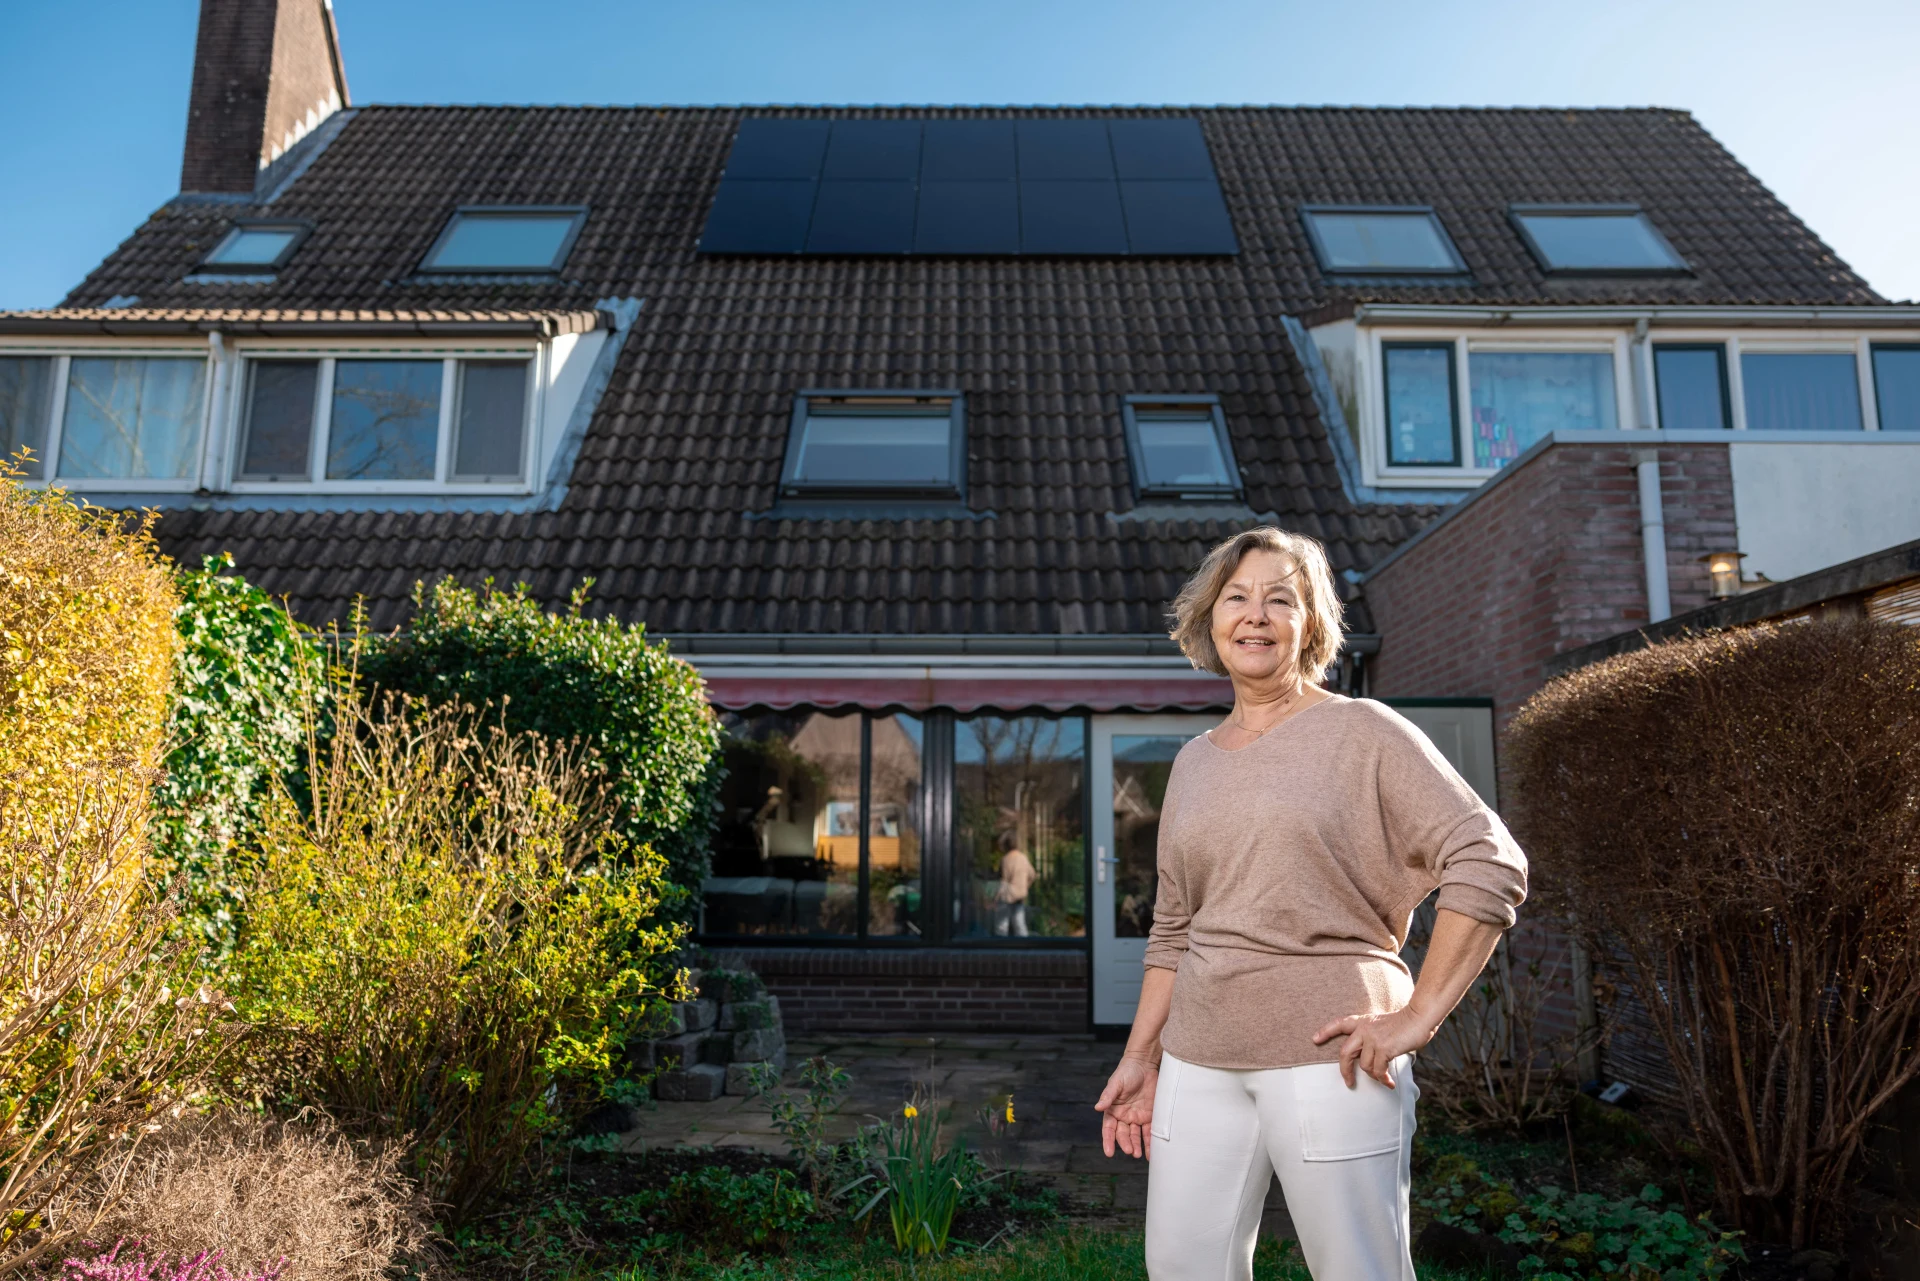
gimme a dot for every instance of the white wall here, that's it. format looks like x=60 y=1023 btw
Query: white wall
x=1802 y=507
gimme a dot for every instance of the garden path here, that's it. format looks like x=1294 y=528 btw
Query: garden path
x=1054 y=1080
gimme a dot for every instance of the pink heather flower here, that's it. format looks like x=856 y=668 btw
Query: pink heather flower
x=204 y=1266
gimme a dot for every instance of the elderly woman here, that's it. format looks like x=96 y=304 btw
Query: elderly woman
x=1277 y=1023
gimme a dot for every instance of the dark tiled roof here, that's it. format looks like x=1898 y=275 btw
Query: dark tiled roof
x=284 y=321
x=667 y=501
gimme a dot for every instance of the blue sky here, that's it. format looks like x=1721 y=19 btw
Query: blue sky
x=94 y=97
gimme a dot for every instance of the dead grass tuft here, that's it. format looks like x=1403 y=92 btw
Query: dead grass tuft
x=261 y=1190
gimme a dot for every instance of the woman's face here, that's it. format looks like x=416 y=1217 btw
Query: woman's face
x=1258 y=622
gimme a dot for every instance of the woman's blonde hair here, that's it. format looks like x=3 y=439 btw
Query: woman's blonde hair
x=1192 y=616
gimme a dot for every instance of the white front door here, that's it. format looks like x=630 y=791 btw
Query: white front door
x=1131 y=758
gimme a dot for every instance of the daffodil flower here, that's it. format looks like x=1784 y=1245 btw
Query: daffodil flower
x=1009 y=1109
x=912 y=1111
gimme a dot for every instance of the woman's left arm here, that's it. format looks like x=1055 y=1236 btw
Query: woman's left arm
x=1455 y=957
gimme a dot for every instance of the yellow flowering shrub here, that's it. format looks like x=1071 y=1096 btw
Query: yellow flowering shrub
x=446 y=944
x=99 y=1034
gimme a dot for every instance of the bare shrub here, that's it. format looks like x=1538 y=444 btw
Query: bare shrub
x=1737 y=817
x=1506 y=1057
x=261 y=1190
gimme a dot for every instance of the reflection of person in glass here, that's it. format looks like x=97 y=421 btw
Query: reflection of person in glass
x=1277 y=1022
x=1016 y=879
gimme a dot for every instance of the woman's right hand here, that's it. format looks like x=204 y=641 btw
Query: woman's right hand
x=1126 y=1106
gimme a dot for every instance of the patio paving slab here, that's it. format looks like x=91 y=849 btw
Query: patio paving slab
x=1054 y=1081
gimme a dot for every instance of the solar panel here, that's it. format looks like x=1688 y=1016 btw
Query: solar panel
x=1058 y=150
x=777 y=149
x=1177 y=218
x=759 y=218
x=967 y=150
x=1071 y=218
x=873 y=150
x=968 y=218
x=1160 y=148
x=1076 y=186
x=862 y=218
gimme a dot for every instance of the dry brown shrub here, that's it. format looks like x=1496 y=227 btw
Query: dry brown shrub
x=1736 y=817
x=261 y=1190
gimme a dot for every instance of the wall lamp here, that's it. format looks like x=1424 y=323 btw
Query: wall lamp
x=1724 y=569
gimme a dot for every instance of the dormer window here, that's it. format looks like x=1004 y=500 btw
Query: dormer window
x=256 y=247
x=1595 y=240
x=497 y=239
x=1382 y=240
x=1179 y=447
x=876 y=443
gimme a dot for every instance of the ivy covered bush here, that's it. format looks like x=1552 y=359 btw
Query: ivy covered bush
x=570 y=677
x=240 y=685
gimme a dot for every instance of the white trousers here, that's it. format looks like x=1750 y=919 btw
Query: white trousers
x=1342 y=1155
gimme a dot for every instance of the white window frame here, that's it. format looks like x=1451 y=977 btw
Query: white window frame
x=1370 y=372
x=63 y=354
x=224 y=409
x=329 y=354
x=1370 y=376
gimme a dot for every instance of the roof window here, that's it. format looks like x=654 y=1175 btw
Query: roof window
x=1381 y=240
x=1595 y=239
x=1179 y=447
x=256 y=247
x=493 y=239
x=865 y=444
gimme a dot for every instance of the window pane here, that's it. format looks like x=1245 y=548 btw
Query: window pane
x=386 y=420
x=26 y=384
x=893 y=832
x=1420 y=421
x=132 y=418
x=1382 y=242
x=1019 y=852
x=252 y=246
x=1518 y=397
x=1691 y=383
x=1181 y=450
x=1802 y=391
x=1141 y=765
x=1599 y=242
x=876 y=449
x=280 y=420
x=494 y=242
x=493 y=416
x=1896 y=386
x=786 y=855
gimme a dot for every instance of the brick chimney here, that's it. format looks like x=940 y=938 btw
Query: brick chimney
x=265 y=72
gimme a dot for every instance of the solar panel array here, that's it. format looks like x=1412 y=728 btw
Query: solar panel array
x=1037 y=187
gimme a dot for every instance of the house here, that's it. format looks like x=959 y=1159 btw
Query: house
x=905 y=425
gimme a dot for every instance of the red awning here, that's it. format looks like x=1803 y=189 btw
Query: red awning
x=1053 y=693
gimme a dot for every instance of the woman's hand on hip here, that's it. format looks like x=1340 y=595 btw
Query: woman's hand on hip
x=1126 y=1106
x=1374 y=1041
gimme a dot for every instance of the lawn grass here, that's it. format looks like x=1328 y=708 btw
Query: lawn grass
x=1065 y=1253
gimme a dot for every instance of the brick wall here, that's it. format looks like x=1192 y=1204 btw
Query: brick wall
x=264 y=71
x=1544 y=559
x=921 y=990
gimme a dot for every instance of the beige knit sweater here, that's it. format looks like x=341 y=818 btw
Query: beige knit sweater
x=1289 y=870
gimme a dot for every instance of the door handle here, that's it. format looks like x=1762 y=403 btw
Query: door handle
x=1100 y=861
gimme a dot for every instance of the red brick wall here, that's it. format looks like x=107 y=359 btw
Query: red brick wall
x=1544 y=559
x=930 y=990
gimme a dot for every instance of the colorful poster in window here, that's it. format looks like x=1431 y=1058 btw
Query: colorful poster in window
x=1520 y=396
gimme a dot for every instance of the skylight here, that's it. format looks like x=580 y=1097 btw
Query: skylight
x=876 y=443
x=489 y=239
x=1180 y=447
x=1595 y=238
x=255 y=246
x=1381 y=241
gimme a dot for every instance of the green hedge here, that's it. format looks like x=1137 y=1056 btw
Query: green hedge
x=234 y=726
x=572 y=677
